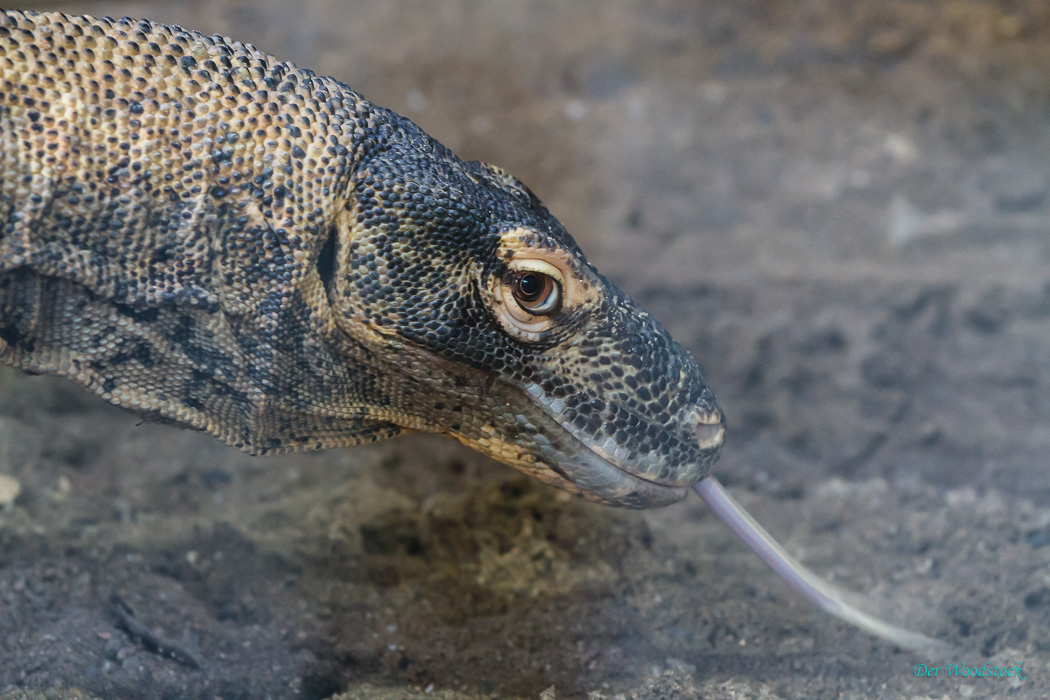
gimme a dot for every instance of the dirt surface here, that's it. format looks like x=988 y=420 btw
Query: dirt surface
x=841 y=209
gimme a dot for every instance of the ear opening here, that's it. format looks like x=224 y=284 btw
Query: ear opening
x=326 y=260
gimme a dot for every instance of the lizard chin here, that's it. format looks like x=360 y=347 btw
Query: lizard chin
x=599 y=473
x=593 y=474
x=597 y=478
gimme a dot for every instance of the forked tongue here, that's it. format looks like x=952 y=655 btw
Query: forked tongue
x=802 y=579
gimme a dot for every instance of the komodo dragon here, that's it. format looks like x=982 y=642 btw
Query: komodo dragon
x=205 y=235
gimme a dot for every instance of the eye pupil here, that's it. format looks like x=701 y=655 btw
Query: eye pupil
x=536 y=293
x=530 y=286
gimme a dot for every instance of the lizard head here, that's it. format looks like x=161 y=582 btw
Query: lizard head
x=503 y=336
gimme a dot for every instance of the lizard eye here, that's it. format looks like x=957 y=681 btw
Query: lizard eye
x=528 y=294
x=536 y=293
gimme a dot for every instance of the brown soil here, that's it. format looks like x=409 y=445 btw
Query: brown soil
x=841 y=209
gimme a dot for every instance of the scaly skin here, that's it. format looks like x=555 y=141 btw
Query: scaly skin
x=207 y=236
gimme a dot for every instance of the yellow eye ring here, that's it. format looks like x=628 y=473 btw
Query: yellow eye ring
x=533 y=296
x=528 y=295
x=537 y=293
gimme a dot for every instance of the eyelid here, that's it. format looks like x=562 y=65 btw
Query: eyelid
x=577 y=291
x=517 y=319
x=541 y=266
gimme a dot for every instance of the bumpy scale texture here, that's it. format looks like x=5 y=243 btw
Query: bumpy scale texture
x=205 y=235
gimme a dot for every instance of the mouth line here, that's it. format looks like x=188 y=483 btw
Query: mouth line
x=591 y=469
x=596 y=476
x=621 y=486
x=611 y=459
x=596 y=473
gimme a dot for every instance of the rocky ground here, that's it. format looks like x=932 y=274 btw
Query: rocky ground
x=841 y=209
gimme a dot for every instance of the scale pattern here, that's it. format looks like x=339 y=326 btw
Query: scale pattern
x=208 y=236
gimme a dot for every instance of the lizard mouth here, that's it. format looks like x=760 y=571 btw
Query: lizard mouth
x=603 y=472
x=597 y=477
x=594 y=475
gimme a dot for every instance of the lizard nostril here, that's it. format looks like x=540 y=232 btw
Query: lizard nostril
x=710 y=429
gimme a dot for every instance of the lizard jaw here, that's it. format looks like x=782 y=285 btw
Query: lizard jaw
x=598 y=478
x=594 y=475
x=597 y=471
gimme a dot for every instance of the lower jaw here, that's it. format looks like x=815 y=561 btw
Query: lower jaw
x=598 y=479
